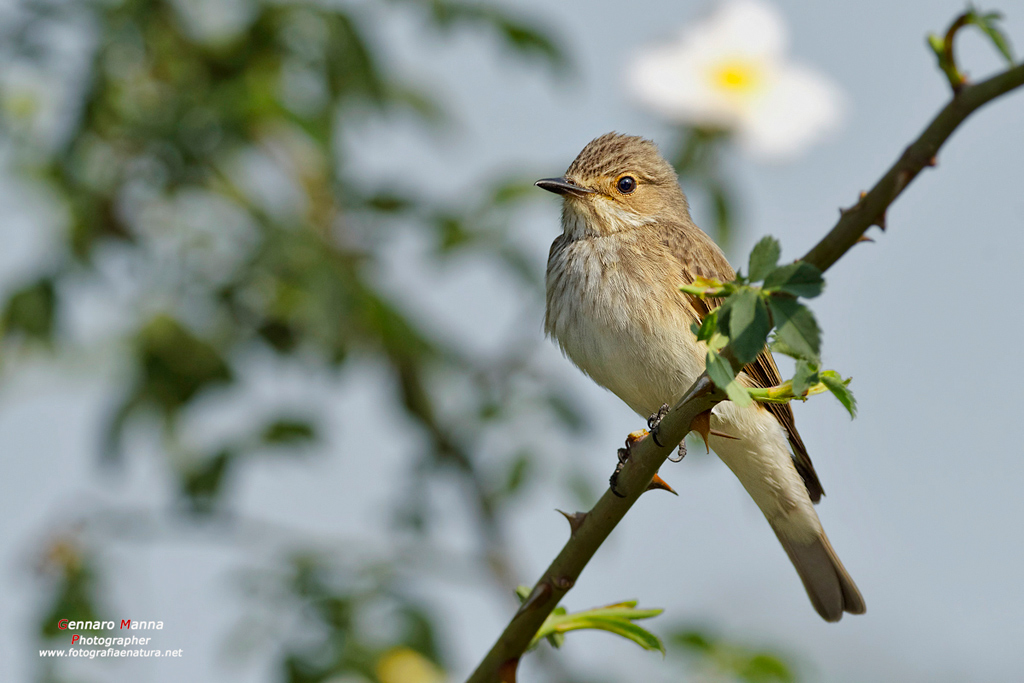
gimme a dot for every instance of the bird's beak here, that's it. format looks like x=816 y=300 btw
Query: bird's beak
x=562 y=186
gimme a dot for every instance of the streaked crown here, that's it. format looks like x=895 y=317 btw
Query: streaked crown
x=612 y=155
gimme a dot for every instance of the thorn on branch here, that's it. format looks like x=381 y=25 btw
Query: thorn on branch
x=880 y=221
x=932 y=162
x=865 y=238
x=608 y=513
x=575 y=520
x=860 y=200
x=659 y=484
x=702 y=425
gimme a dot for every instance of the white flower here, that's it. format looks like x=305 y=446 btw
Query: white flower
x=729 y=72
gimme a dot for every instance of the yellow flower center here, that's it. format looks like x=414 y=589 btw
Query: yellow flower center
x=736 y=77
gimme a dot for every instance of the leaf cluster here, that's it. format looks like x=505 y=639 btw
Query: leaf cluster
x=618 y=619
x=335 y=603
x=749 y=312
x=153 y=173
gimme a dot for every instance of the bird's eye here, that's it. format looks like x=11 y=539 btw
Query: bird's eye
x=626 y=184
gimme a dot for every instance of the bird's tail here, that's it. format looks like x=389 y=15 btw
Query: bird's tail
x=828 y=584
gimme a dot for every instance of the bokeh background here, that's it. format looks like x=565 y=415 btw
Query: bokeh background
x=273 y=369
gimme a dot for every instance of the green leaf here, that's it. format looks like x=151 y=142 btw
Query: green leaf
x=726 y=660
x=556 y=639
x=707 y=327
x=721 y=373
x=528 y=40
x=617 y=619
x=519 y=35
x=840 y=388
x=764 y=258
x=288 y=431
x=202 y=484
x=987 y=23
x=796 y=330
x=518 y=473
x=176 y=365
x=30 y=311
x=452 y=232
x=748 y=325
x=798 y=279
x=281 y=336
x=738 y=394
x=806 y=376
x=765 y=668
x=719 y=370
x=388 y=202
x=724 y=315
x=718 y=341
x=722 y=203
x=693 y=640
x=620 y=627
x=351 y=63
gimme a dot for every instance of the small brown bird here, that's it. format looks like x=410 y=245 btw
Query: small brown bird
x=615 y=309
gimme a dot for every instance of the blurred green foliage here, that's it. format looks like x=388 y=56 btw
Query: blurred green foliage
x=29 y=311
x=155 y=169
x=721 y=659
x=333 y=604
x=74 y=585
x=699 y=159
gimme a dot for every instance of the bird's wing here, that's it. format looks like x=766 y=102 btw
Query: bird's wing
x=700 y=256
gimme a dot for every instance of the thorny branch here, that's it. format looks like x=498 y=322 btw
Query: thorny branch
x=593 y=527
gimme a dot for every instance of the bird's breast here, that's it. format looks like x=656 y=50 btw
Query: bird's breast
x=614 y=307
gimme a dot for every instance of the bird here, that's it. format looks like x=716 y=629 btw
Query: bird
x=615 y=309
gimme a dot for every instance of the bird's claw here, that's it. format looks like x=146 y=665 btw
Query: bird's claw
x=654 y=421
x=623 y=453
x=680 y=453
x=613 y=481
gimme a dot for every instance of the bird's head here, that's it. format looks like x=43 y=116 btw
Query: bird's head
x=616 y=183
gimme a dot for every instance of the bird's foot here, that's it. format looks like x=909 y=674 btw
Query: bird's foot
x=623 y=453
x=680 y=453
x=654 y=421
x=631 y=440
